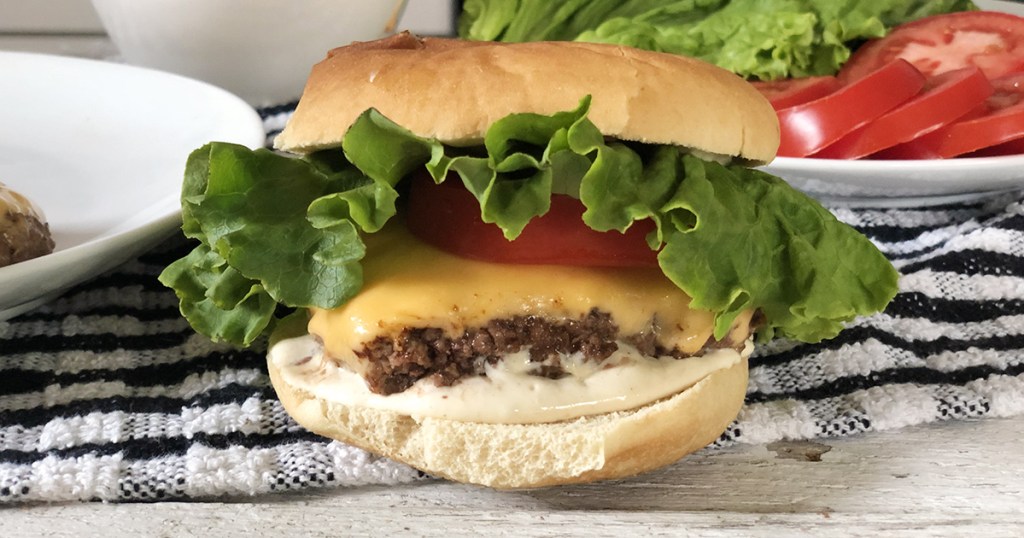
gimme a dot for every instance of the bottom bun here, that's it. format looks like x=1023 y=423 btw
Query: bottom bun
x=509 y=456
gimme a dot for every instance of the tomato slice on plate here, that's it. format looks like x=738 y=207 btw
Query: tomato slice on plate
x=784 y=93
x=999 y=122
x=807 y=128
x=945 y=99
x=1009 y=91
x=447 y=216
x=990 y=40
x=1013 y=147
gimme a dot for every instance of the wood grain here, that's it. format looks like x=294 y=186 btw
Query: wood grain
x=956 y=479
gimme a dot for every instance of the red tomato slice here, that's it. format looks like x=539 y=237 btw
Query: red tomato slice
x=809 y=127
x=946 y=98
x=447 y=216
x=1013 y=147
x=1002 y=122
x=990 y=40
x=784 y=93
x=1009 y=91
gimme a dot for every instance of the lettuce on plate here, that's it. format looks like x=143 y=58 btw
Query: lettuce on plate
x=758 y=39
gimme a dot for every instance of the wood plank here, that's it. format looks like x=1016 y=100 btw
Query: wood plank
x=958 y=478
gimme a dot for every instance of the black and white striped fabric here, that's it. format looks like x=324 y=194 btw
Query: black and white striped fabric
x=107 y=394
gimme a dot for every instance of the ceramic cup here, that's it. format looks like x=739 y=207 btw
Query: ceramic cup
x=260 y=50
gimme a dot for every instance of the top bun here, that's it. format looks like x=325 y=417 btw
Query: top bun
x=454 y=90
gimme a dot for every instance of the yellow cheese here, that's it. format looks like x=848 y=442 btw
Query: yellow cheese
x=410 y=284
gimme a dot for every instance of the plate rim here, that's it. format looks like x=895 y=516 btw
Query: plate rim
x=811 y=163
x=806 y=165
x=922 y=182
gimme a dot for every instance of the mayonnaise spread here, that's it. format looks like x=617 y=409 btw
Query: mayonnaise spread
x=508 y=394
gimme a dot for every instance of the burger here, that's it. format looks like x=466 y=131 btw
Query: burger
x=516 y=265
x=24 y=233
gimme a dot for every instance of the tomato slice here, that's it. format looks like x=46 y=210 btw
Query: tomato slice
x=784 y=93
x=992 y=41
x=447 y=216
x=1001 y=121
x=1013 y=147
x=945 y=99
x=809 y=127
x=1009 y=91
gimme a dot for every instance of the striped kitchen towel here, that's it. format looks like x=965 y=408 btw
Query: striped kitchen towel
x=107 y=394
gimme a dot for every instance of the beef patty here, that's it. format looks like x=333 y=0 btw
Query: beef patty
x=395 y=363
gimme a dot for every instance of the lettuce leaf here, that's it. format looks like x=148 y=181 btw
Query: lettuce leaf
x=257 y=247
x=275 y=230
x=784 y=254
x=760 y=39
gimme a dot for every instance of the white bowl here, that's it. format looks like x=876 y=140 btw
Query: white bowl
x=260 y=50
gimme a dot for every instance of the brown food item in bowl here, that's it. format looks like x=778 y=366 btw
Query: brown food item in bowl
x=24 y=233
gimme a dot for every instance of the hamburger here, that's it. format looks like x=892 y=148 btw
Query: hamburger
x=516 y=265
x=24 y=233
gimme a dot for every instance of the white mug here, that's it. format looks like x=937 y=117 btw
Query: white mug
x=260 y=50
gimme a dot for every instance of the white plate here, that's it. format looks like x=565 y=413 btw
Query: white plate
x=1006 y=6
x=901 y=183
x=101 y=148
x=906 y=183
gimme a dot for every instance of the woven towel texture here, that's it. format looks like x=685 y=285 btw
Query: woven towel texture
x=107 y=394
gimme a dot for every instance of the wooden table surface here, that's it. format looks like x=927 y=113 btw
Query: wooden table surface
x=953 y=479
x=950 y=479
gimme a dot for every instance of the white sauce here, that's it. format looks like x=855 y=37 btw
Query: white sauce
x=508 y=394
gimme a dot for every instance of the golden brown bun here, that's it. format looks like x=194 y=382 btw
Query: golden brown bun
x=453 y=90
x=24 y=233
x=509 y=456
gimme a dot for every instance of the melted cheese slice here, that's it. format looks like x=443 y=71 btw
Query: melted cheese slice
x=410 y=284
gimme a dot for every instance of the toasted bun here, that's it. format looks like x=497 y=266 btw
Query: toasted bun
x=454 y=90
x=510 y=456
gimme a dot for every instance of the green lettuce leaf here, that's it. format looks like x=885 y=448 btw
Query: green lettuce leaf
x=274 y=230
x=761 y=39
x=534 y=20
x=784 y=254
x=513 y=183
x=217 y=300
x=258 y=247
